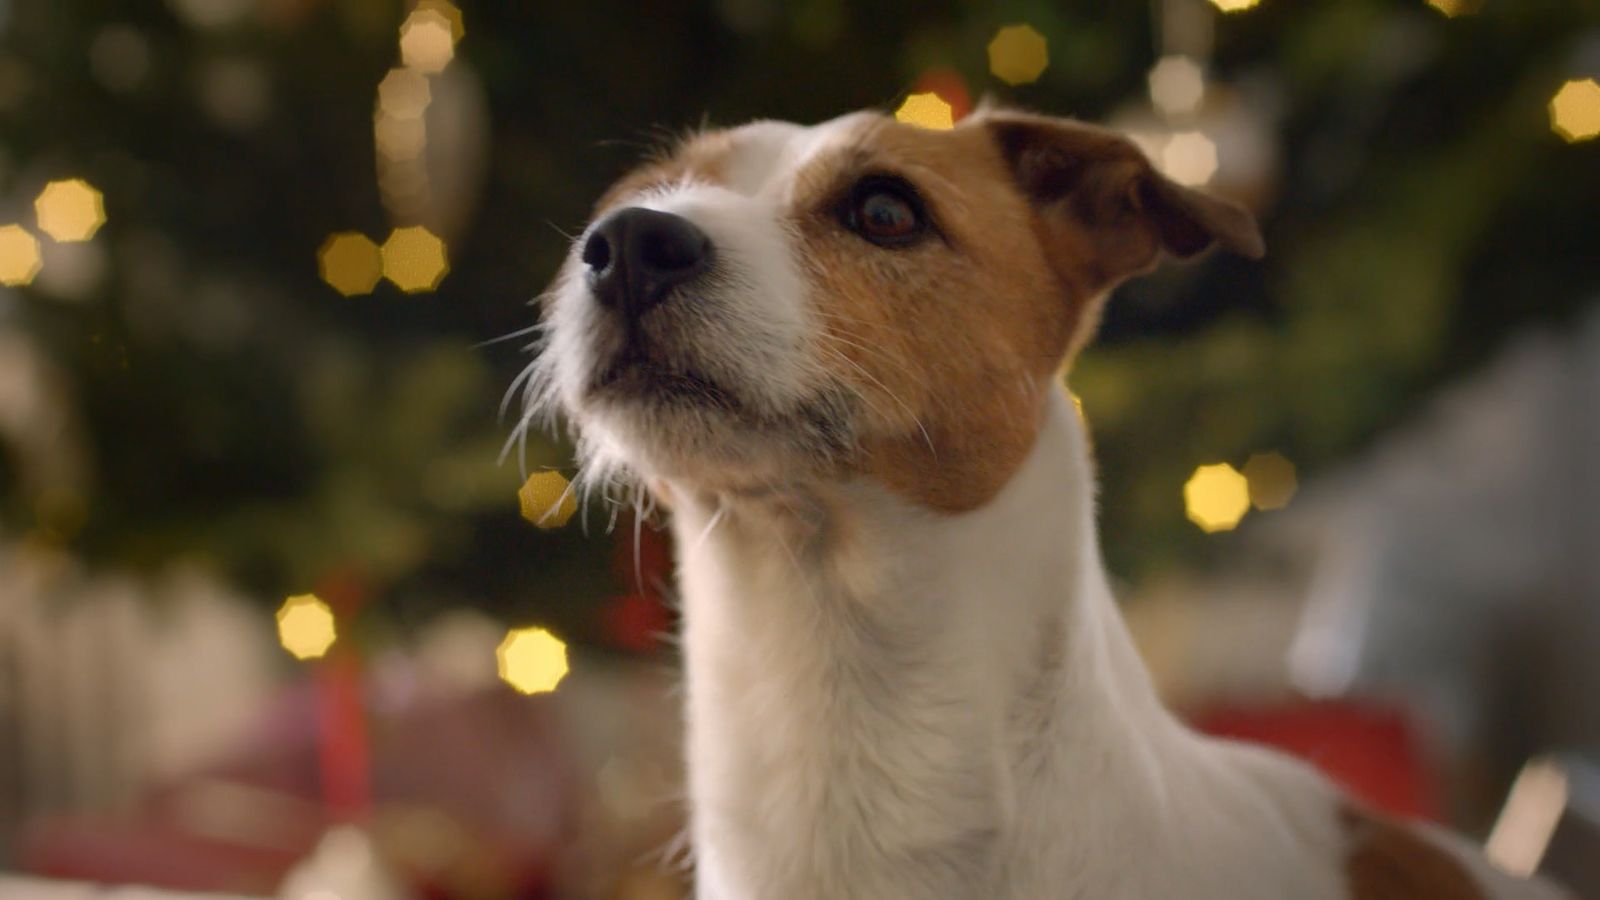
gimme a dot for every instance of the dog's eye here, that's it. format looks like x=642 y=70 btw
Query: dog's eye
x=886 y=213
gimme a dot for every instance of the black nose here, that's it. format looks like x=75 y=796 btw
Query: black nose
x=637 y=256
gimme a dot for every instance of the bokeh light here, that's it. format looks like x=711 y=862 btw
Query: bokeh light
x=1272 y=480
x=1177 y=85
x=1216 y=497
x=414 y=258
x=1018 y=54
x=305 y=626
x=950 y=86
x=426 y=41
x=119 y=58
x=1453 y=8
x=350 y=263
x=213 y=13
x=404 y=93
x=1189 y=157
x=926 y=110
x=1233 y=6
x=1575 y=110
x=399 y=139
x=70 y=210
x=19 y=256
x=532 y=660
x=547 y=500
x=451 y=13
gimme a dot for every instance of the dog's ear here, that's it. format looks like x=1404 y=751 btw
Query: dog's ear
x=1105 y=213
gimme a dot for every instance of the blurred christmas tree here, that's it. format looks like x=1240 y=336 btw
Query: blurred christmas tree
x=213 y=394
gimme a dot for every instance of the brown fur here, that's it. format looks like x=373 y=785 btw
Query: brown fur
x=1389 y=860
x=952 y=342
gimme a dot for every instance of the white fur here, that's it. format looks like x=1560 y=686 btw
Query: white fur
x=942 y=706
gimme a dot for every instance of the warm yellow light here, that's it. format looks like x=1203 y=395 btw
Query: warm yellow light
x=350 y=263
x=1272 y=480
x=1233 y=6
x=1216 y=497
x=426 y=42
x=70 y=210
x=305 y=626
x=1189 y=157
x=19 y=256
x=414 y=259
x=1177 y=85
x=1575 y=110
x=399 y=139
x=1018 y=54
x=926 y=111
x=1453 y=8
x=532 y=660
x=404 y=93
x=547 y=500
x=452 y=14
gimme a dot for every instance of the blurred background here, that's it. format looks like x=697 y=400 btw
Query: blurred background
x=276 y=619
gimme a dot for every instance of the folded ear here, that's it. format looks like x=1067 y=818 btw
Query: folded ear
x=1105 y=213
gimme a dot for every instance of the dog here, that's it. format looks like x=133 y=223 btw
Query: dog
x=834 y=353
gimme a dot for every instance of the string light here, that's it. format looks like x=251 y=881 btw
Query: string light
x=350 y=263
x=427 y=43
x=927 y=110
x=1216 y=497
x=1575 y=110
x=404 y=94
x=1189 y=157
x=1272 y=480
x=414 y=258
x=305 y=626
x=531 y=660
x=70 y=210
x=451 y=13
x=547 y=500
x=19 y=256
x=1177 y=85
x=399 y=139
x=1018 y=54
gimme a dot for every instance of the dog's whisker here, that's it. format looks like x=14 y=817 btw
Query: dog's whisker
x=716 y=519
x=638 y=526
x=562 y=231
x=520 y=332
x=524 y=379
x=556 y=506
x=917 y=420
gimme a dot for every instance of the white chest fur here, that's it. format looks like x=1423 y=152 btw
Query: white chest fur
x=889 y=703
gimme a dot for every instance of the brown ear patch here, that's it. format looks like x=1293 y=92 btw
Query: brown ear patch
x=1093 y=186
x=1191 y=221
x=1389 y=860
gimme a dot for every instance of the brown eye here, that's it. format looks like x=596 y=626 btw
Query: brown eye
x=885 y=212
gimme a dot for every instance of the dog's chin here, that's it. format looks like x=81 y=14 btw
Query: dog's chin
x=684 y=427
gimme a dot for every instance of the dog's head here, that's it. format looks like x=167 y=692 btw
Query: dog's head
x=775 y=303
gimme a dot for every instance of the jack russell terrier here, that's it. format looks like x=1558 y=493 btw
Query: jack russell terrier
x=834 y=353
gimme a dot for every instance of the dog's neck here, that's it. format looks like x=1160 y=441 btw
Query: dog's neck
x=880 y=692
